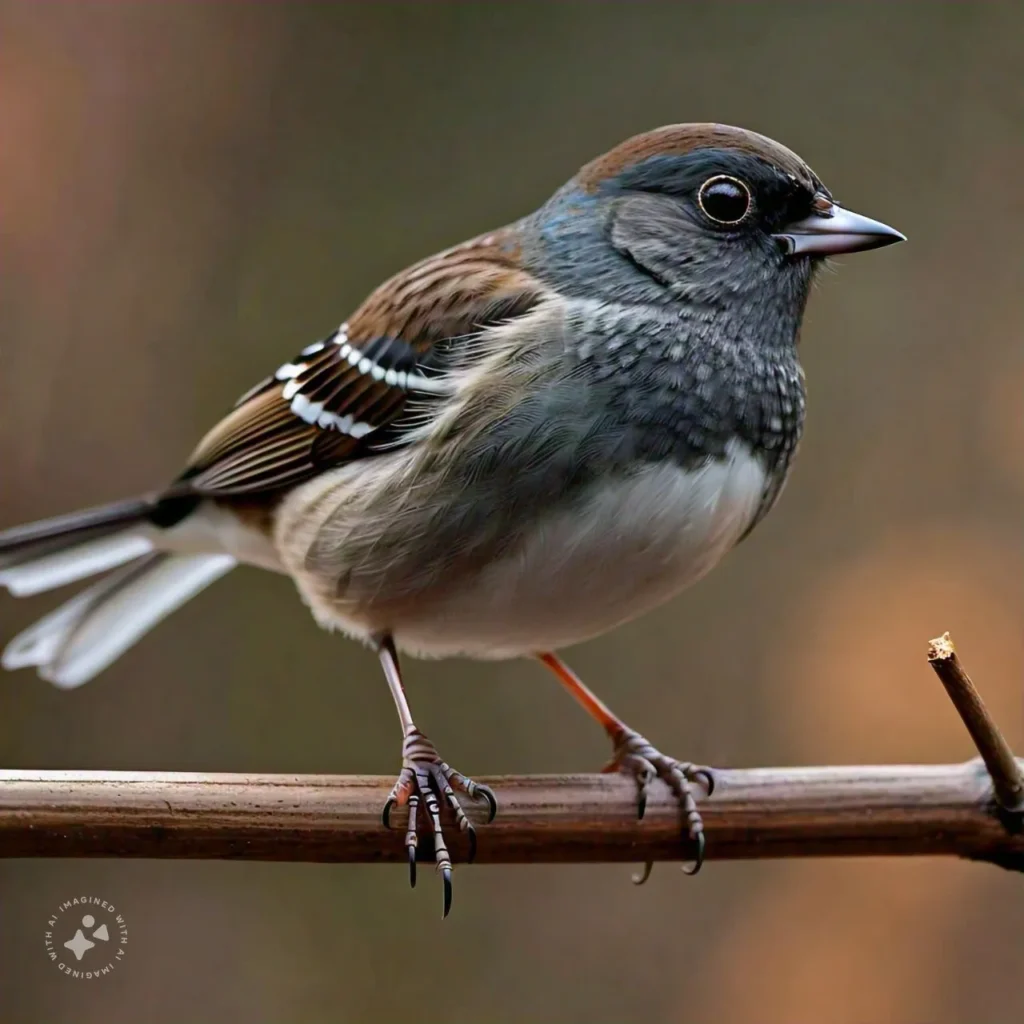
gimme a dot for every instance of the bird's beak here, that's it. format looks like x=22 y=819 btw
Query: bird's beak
x=830 y=230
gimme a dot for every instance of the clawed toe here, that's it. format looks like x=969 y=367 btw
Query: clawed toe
x=446 y=877
x=635 y=756
x=705 y=776
x=645 y=874
x=412 y=865
x=427 y=780
x=698 y=860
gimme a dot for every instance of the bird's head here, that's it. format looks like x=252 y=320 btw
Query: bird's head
x=699 y=213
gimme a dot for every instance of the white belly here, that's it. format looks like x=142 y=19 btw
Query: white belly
x=629 y=546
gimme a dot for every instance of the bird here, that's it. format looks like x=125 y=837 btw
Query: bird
x=510 y=447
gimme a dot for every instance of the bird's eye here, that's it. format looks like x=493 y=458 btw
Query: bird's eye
x=724 y=200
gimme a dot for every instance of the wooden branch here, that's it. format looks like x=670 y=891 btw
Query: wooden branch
x=784 y=812
x=765 y=812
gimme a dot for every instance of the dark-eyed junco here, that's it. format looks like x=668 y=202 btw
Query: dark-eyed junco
x=510 y=447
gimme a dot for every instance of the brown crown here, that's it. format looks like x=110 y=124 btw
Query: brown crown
x=677 y=139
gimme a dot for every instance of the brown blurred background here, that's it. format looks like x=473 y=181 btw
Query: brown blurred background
x=190 y=193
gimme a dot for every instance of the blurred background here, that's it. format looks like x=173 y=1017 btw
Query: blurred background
x=190 y=193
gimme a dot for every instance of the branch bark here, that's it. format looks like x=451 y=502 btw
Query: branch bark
x=782 y=812
x=952 y=809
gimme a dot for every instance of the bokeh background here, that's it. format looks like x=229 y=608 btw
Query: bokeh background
x=189 y=193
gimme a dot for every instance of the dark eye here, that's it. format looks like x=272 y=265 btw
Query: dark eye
x=724 y=200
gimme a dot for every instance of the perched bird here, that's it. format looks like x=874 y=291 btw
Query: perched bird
x=510 y=447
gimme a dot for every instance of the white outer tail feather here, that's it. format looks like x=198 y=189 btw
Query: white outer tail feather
x=83 y=636
x=73 y=564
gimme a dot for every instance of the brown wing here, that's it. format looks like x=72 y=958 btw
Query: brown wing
x=337 y=398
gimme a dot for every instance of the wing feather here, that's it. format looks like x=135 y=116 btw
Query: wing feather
x=344 y=397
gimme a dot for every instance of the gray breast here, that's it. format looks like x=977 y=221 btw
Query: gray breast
x=685 y=385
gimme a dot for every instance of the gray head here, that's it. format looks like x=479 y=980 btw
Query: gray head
x=714 y=218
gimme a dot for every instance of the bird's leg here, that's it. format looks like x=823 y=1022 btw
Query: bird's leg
x=635 y=756
x=426 y=778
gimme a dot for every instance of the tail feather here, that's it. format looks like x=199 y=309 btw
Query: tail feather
x=24 y=543
x=39 y=644
x=82 y=637
x=69 y=564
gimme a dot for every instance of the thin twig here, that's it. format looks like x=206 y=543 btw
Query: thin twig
x=1007 y=779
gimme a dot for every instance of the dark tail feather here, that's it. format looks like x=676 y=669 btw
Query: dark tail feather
x=28 y=543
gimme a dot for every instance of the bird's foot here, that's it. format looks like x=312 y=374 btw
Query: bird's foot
x=426 y=779
x=634 y=755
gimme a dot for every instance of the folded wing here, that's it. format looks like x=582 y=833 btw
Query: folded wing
x=344 y=397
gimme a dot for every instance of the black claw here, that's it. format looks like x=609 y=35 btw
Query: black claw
x=641 y=810
x=698 y=861
x=412 y=867
x=471 y=836
x=446 y=875
x=492 y=803
x=641 y=878
x=385 y=816
x=708 y=777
